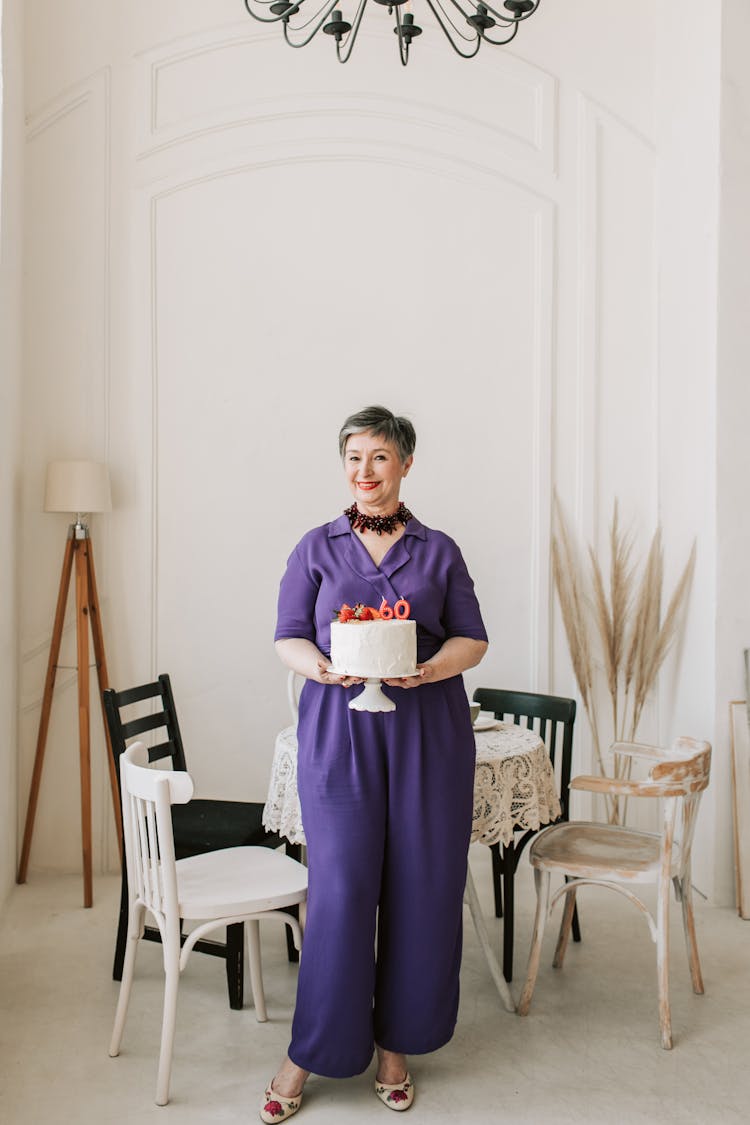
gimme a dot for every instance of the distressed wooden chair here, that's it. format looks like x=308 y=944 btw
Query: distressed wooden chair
x=214 y=890
x=552 y=717
x=608 y=855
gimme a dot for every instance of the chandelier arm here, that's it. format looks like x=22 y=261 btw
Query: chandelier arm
x=501 y=17
x=502 y=42
x=403 y=48
x=263 y=19
x=447 y=34
x=506 y=19
x=343 y=56
x=458 y=31
x=328 y=6
x=450 y=29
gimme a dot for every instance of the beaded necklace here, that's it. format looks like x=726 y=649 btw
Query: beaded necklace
x=388 y=524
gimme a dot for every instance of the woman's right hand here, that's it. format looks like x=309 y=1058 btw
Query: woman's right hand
x=306 y=659
x=326 y=675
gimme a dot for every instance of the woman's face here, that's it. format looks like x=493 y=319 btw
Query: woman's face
x=374 y=471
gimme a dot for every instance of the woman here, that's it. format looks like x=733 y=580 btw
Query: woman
x=386 y=797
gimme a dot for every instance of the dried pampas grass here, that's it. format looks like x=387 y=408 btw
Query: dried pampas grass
x=622 y=619
x=566 y=573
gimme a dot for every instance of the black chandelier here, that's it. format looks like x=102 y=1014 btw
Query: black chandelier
x=485 y=23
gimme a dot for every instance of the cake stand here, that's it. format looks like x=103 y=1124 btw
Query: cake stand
x=371 y=698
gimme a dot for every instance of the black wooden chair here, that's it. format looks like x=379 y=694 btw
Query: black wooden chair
x=199 y=826
x=552 y=717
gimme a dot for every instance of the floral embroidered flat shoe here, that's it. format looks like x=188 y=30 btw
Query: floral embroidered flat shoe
x=398 y=1096
x=275 y=1107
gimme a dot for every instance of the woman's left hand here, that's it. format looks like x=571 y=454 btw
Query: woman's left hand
x=454 y=657
x=423 y=676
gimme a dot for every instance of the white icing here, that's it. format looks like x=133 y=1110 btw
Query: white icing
x=375 y=649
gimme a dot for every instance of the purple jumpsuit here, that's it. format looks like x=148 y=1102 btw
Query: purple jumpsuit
x=386 y=806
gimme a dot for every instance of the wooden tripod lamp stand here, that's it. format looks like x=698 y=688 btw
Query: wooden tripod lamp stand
x=80 y=487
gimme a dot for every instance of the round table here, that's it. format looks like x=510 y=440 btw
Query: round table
x=514 y=785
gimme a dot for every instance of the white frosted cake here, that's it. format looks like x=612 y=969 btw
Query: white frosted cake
x=374 y=649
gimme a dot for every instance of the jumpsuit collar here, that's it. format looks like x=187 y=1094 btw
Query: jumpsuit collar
x=360 y=561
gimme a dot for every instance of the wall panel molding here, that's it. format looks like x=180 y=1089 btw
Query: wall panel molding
x=616 y=375
x=540 y=213
x=207 y=84
x=598 y=131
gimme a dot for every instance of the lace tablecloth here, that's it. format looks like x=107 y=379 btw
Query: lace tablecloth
x=514 y=786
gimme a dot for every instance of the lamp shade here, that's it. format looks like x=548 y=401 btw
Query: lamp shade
x=77 y=486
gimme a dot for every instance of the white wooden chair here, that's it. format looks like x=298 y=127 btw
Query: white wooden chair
x=216 y=889
x=612 y=856
x=294 y=685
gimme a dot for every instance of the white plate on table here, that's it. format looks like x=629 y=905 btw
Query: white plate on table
x=485 y=724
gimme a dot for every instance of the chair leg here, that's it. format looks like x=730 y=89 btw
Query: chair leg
x=235 y=964
x=131 y=948
x=169 y=1021
x=256 y=969
x=291 y=949
x=688 y=921
x=122 y=929
x=472 y=899
x=497 y=878
x=565 y=927
x=509 y=874
x=541 y=881
x=576 y=923
x=294 y=851
x=662 y=963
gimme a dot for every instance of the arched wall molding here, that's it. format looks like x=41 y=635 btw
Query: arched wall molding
x=541 y=213
x=326 y=149
x=95 y=85
x=528 y=137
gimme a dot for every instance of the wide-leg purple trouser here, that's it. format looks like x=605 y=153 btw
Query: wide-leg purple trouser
x=386 y=806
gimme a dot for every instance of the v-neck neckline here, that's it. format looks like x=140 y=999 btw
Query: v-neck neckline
x=363 y=563
x=377 y=565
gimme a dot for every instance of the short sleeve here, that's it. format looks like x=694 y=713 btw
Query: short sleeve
x=297 y=597
x=461 y=614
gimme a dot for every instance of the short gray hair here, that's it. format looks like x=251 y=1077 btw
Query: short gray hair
x=380 y=422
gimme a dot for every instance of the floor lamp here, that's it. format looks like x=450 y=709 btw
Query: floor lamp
x=79 y=487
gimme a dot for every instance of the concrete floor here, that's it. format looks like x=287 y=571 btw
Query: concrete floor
x=588 y=1051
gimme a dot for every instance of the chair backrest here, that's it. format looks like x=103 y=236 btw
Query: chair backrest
x=551 y=716
x=147 y=796
x=679 y=771
x=161 y=717
x=685 y=769
x=682 y=776
x=677 y=775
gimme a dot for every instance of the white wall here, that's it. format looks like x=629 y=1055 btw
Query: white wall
x=231 y=246
x=733 y=400
x=686 y=110
x=11 y=214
